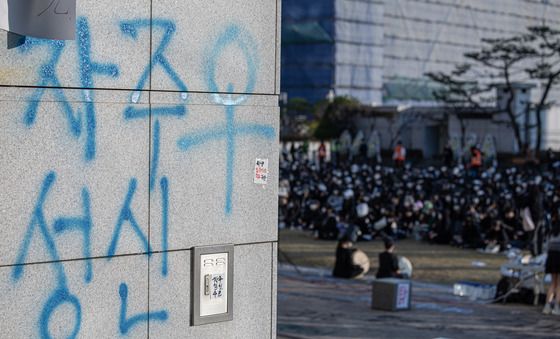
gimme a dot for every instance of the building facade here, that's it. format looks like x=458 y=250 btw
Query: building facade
x=379 y=51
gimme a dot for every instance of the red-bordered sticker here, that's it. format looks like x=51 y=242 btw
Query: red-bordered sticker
x=261 y=174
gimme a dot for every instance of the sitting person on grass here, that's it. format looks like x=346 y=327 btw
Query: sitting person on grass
x=388 y=262
x=348 y=260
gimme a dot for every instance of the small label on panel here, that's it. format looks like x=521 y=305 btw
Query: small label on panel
x=261 y=172
x=403 y=296
x=217 y=286
x=213 y=284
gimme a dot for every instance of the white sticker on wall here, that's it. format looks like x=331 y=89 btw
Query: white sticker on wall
x=261 y=172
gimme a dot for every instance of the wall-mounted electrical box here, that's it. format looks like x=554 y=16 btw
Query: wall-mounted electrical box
x=212 y=284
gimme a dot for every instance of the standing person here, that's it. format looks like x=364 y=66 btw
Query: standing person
x=305 y=149
x=345 y=143
x=363 y=150
x=335 y=145
x=374 y=149
x=399 y=155
x=550 y=159
x=476 y=161
x=448 y=155
x=552 y=267
x=531 y=161
x=535 y=204
x=293 y=151
x=285 y=152
x=322 y=151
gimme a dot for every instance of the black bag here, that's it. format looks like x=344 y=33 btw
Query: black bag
x=503 y=287
x=521 y=295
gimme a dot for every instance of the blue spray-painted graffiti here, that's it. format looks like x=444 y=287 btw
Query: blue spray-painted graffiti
x=230 y=131
x=61 y=294
x=58 y=298
x=48 y=77
x=38 y=221
x=125 y=324
x=131 y=28
x=236 y=35
x=155 y=154
x=83 y=224
x=126 y=214
x=233 y=35
x=84 y=119
x=88 y=69
x=164 y=185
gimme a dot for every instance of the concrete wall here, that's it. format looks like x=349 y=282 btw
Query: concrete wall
x=124 y=149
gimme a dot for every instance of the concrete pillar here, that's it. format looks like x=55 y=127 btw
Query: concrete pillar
x=123 y=150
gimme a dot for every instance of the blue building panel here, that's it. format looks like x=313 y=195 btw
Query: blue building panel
x=324 y=48
x=308 y=51
x=308 y=54
x=312 y=76
x=301 y=10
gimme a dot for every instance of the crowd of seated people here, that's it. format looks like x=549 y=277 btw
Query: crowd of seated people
x=492 y=208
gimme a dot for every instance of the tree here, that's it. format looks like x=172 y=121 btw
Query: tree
x=334 y=117
x=500 y=58
x=294 y=118
x=459 y=91
x=533 y=56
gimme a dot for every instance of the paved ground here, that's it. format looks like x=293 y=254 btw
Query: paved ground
x=311 y=304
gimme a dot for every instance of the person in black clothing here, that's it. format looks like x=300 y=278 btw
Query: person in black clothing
x=448 y=155
x=344 y=266
x=363 y=151
x=552 y=265
x=322 y=153
x=329 y=229
x=513 y=226
x=550 y=159
x=388 y=262
x=535 y=202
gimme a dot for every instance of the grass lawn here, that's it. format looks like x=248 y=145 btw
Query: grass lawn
x=432 y=263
